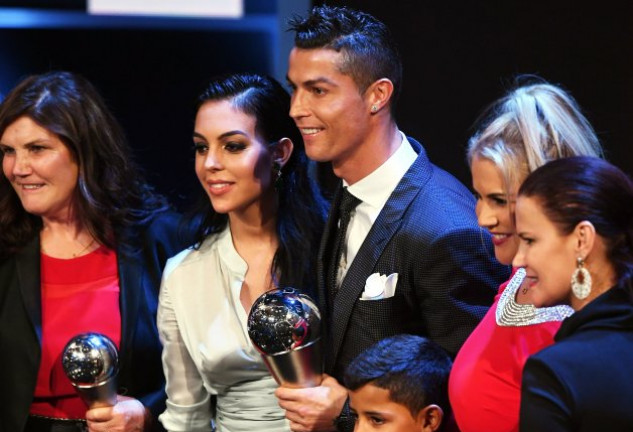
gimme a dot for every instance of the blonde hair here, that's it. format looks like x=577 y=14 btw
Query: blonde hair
x=530 y=126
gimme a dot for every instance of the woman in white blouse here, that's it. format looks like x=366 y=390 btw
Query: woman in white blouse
x=259 y=226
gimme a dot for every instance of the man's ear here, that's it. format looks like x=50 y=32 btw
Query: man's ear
x=430 y=418
x=379 y=94
x=282 y=150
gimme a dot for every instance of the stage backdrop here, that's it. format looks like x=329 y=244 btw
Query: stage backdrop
x=150 y=69
x=458 y=57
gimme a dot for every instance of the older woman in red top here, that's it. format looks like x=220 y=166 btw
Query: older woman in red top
x=83 y=241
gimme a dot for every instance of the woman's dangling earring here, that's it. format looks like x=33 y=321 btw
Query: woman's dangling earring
x=277 y=175
x=581 y=280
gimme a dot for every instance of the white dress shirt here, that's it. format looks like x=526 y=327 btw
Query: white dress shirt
x=374 y=190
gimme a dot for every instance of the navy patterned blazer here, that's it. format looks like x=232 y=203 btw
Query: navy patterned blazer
x=447 y=274
x=140 y=271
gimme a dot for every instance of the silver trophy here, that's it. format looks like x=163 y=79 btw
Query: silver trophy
x=91 y=363
x=285 y=327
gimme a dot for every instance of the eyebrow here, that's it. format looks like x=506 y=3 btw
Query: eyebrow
x=311 y=82
x=224 y=135
x=497 y=195
x=38 y=141
x=379 y=413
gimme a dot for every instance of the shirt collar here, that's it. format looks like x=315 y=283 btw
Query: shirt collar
x=227 y=252
x=375 y=188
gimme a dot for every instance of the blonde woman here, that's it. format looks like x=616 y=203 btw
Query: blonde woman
x=531 y=125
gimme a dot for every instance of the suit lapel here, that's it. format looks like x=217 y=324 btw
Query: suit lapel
x=324 y=253
x=130 y=275
x=28 y=268
x=383 y=229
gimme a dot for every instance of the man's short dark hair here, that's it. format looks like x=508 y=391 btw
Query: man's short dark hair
x=369 y=51
x=414 y=369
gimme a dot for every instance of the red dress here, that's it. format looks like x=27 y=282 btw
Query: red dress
x=78 y=295
x=484 y=384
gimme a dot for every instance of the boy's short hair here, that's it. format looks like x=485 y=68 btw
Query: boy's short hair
x=413 y=369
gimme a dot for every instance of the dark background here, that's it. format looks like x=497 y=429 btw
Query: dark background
x=458 y=58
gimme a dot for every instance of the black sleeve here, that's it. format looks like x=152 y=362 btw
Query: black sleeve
x=545 y=400
x=345 y=421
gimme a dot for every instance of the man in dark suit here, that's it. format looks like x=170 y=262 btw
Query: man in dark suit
x=402 y=252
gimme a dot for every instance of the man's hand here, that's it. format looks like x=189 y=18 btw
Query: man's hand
x=128 y=415
x=315 y=408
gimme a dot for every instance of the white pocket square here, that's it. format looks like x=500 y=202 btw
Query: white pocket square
x=378 y=287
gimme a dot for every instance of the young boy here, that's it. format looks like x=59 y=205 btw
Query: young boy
x=399 y=384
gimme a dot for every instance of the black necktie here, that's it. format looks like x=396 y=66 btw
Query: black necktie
x=347 y=205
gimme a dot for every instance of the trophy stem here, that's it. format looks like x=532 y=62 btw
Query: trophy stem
x=298 y=368
x=99 y=395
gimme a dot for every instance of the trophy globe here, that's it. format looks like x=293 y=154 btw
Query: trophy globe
x=284 y=325
x=90 y=361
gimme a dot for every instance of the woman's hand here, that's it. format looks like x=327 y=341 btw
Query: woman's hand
x=128 y=415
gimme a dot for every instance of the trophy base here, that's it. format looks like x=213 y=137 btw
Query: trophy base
x=299 y=368
x=98 y=395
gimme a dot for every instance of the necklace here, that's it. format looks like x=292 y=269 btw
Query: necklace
x=67 y=255
x=509 y=313
x=76 y=254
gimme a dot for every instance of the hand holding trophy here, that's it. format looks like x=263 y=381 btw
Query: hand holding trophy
x=90 y=361
x=285 y=327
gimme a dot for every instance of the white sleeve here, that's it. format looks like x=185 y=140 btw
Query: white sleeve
x=188 y=402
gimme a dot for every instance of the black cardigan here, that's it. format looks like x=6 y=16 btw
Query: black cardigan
x=584 y=382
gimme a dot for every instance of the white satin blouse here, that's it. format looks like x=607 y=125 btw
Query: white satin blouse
x=206 y=349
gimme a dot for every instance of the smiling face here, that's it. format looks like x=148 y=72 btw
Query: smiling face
x=232 y=163
x=548 y=256
x=495 y=209
x=327 y=106
x=41 y=169
x=373 y=409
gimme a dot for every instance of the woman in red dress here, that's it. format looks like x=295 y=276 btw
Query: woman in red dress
x=531 y=125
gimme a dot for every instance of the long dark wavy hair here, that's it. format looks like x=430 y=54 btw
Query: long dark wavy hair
x=110 y=195
x=301 y=209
